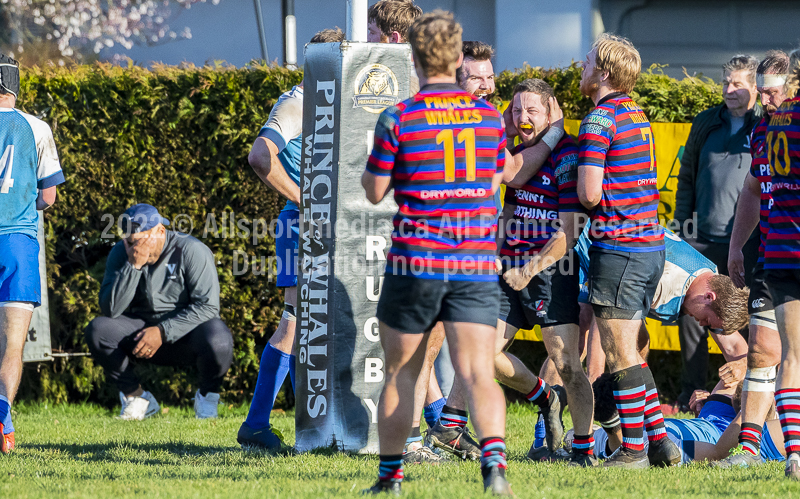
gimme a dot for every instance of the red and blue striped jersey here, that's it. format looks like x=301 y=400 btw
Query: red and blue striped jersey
x=782 y=250
x=442 y=148
x=759 y=169
x=617 y=137
x=553 y=190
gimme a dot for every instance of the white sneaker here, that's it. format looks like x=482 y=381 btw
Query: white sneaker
x=205 y=407
x=137 y=408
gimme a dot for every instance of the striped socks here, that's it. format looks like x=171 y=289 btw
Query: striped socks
x=629 y=396
x=433 y=411
x=493 y=455
x=391 y=469
x=653 y=419
x=787 y=402
x=453 y=418
x=583 y=444
x=540 y=395
x=750 y=438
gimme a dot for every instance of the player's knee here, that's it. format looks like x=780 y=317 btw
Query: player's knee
x=760 y=379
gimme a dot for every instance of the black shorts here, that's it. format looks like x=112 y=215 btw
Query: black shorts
x=760 y=299
x=784 y=285
x=413 y=305
x=535 y=305
x=622 y=284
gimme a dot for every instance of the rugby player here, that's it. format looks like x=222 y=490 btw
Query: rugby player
x=29 y=174
x=617 y=182
x=275 y=157
x=476 y=73
x=752 y=209
x=438 y=270
x=782 y=264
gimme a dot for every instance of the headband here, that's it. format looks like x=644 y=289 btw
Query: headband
x=771 y=80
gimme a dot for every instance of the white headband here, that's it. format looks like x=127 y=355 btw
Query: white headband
x=771 y=80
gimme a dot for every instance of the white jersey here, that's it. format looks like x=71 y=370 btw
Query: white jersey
x=28 y=164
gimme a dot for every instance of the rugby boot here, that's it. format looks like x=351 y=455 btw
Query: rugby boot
x=6 y=443
x=544 y=455
x=496 y=484
x=268 y=439
x=552 y=415
x=583 y=460
x=10 y=443
x=793 y=466
x=663 y=453
x=457 y=441
x=629 y=459
x=422 y=454
x=384 y=487
x=738 y=458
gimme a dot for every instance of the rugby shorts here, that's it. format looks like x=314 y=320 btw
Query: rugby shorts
x=759 y=303
x=622 y=284
x=287 y=245
x=784 y=285
x=19 y=269
x=413 y=305
x=550 y=299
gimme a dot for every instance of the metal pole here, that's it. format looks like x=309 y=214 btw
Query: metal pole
x=357 y=20
x=262 y=36
x=289 y=35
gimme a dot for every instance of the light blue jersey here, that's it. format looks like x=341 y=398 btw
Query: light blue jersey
x=28 y=163
x=285 y=129
x=681 y=267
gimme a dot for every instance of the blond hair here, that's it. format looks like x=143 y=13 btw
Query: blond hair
x=394 y=15
x=730 y=304
x=436 y=41
x=619 y=58
x=793 y=83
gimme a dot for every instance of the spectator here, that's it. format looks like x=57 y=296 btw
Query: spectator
x=713 y=168
x=160 y=304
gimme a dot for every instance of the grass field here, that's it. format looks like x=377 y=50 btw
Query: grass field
x=83 y=451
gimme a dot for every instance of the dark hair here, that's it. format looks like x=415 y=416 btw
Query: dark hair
x=477 y=51
x=605 y=409
x=774 y=62
x=538 y=87
x=742 y=62
x=394 y=15
x=334 y=35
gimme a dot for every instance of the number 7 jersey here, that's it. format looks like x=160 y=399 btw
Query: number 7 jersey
x=28 y=163
x=442 y=148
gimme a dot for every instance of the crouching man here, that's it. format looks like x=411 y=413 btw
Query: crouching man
x=160 y=304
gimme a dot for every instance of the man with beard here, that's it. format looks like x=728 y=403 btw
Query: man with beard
x=476 y=74
x=764 y=350
x=617 y=182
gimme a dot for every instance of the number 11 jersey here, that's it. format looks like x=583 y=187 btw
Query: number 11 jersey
x=442 y=148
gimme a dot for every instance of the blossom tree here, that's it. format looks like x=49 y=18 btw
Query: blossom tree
x=79 y=28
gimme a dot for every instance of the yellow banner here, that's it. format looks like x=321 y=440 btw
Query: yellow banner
x=670 y=139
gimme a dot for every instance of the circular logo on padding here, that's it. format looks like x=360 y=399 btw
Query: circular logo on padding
x=375 y=88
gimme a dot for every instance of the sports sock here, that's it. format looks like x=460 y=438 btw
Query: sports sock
x=653 y=419
x=787 y=402
x=750 y=438
x=453 y=418
x=539 y=433
x=493 y=455
x=5 y=415
x=391 y=468
x=271 y=375
x=629 y=396
x=414 y=436
x=583 y=444
x=292 y=369
x=540 y=395
x=433 y=411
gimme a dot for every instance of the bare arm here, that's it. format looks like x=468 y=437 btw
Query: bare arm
x=522 y=166
x=46 y=198
x=746 y=219
x=264 y=160
x=376 y=186
x=590 y=185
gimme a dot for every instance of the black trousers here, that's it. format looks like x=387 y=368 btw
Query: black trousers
x=209 y=346
x=694 y=337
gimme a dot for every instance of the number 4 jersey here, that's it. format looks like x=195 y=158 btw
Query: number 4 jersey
x=442 y=148
x=29 y=163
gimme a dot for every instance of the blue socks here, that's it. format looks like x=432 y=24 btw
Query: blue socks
x=275 y=365
x=5 y=415
x=433 y=411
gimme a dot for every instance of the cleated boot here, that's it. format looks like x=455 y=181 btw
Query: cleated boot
x=544 y=455
x=793 y=466
x=496 y=484
x=455 y=440
x=422 y=454
x=738 y=458
x=629 y=459
x=6 y=441
x=384 y=487
x=268 y=439
x=554 y=426
x=583 y=460
x=663 y=453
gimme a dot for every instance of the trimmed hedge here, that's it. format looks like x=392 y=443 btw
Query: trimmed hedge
x=178 y=138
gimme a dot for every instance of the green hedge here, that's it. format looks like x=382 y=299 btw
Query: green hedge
x=178 y=138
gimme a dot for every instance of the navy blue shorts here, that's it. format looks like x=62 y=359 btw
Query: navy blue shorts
x=413 y=305
x=287 y=244
x=784 y=285
x=622 y=284
x=19 y=269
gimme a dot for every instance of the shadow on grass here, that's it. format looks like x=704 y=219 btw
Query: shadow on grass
x=105 y=451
